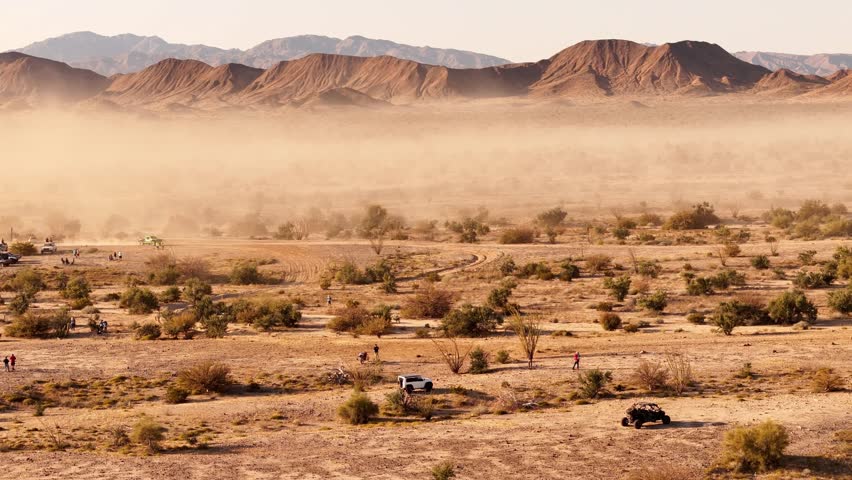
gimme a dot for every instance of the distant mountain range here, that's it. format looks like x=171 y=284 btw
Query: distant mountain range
x=823 y=64
x=131 y=53
x=594 y=70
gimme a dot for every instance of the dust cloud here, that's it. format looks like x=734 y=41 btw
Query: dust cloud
x=104 y=176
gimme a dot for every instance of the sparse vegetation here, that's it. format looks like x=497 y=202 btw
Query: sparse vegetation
x=205 y=377
x=358 y=410
x=754 y=449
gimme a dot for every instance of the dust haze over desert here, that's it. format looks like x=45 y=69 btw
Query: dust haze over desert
x=347 y=255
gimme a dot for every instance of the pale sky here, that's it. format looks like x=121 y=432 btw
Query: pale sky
x=517 y=30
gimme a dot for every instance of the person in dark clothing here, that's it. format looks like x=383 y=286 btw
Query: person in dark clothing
x=6 y=363
x=376 y=350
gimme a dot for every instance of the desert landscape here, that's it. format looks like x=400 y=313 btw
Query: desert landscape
x=236 y=270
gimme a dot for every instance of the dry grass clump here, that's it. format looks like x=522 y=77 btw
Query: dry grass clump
x=825 y=380
x=754 y=449
x=148 y=433
x=650 y=375
x=429 y=302
x=358 y=410
x=205 y=377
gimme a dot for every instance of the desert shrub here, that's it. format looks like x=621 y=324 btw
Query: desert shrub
x=507 y=267
x=443 y=471
x=779 y=217
x=699 y=286
x=609 y=321
x=498 y=298
x=170 y=295
x=696 y=318
x=701 y=216
x=358 y=409
x=503 y=356
x=470 y=321
x=791 y=307
x=77 y=288
x=205 y=377
x=825 y=380
x=23 y=248
x=245 y=273
x=19 y=304
x=593 y=382
x=569 y=271
x=727 y=278
x=193 y=267
x=650 y=375
x=811 y=280
x=517 y=235
x=657 y=302
x=680 y=371
x=30 y=325
x=812 y=209
x=148 y=434
x=552 y=218
x=838 y=227
x=266 y=314
x=760 y=262
x=176 y=394
x=215 y=326
x=27 y=282
x=148 y=331
x=754 y=449
x=649 y=269
x=389 y=283
x=478 y=360
x=732 y=250
x=354 y=318
x=630 y=328
x=598 y=263
x=807 y=257
x=179 y=324
x=603 y=306
x=618 y=287
x=162 y=269
x=429 y=302
x=195 y=289
x=841 y=301
x=726 y=318
x=139 y=301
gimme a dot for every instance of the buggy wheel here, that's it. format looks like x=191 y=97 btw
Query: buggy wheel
x=638 y=424
x=667 y=420
x=625 y=422
x=409 y=389
x=428 y=387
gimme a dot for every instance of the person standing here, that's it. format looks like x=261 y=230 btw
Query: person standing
x=6 y=363
x=576 y=361
x=12 y=361
x=376 y=351
x=328 y=300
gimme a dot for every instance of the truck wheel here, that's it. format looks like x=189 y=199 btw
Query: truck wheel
x=409 y=389
x=625 y=422
x=428 y=387
x=666 y=420
x=638 y=424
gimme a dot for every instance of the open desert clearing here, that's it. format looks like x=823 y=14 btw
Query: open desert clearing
x=279 y=419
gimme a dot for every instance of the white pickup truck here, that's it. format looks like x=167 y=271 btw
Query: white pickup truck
x=49 y=248
x=410 y=383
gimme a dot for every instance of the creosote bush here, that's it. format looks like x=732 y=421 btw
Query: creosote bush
x=618 y=287
x=205 y=377
x=428 y=302
x=148 y=331
x=610 y=321
x=139 y=301
x=593 y=382
x=754 y=449
x=148 y=433
x=176 y=394
x=358 y=409
x=656 y=302
x=267 y=313
x=478 y=360
x=470 y=321
x=792 y=307
x=31 y=325
x=246 y=273
x=517 y=236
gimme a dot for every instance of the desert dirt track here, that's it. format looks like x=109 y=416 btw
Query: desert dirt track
x=289 y=428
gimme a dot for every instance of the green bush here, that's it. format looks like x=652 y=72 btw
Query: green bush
x=27 y=282
x=618 y=287
x=428 y=302
x=696 y=318
x=569 y=271
x=699 y=286
x=170 y=295
x=754 y=449
x=77 y=289
x=478 y=360
x=649 y=269
x=701 y=216
x=593 y=382
x=358 y=410
x=148 y=434
x=507 y=267
x=139 y=301
x=194 y=290
x=215 y=326
x=792 y=307
x=30 y=325
x=162 y=269
x=760 y=262
x=498 y=298
x=610 y=321
x=176 y=394
x=246 y=273
x=205 y=377
x=267 y=314
x=23 y=248
x=657 y=302
x=518 y=235
x=181 y=323
x=19 y=304
x=148 y=331
x=503 y=356
x=470 y=321
x=811 y=280
x=841 y=301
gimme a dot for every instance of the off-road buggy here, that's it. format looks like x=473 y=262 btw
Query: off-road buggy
x=641 y=413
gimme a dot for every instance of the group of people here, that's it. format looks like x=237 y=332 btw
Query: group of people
x=66 y=261
x=9 y=363
x=115 y=256
x=363 y=356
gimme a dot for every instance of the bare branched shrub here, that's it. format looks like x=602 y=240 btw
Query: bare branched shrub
x=452 y=354
x=680 y=371
x=528 y=331
x=650 y=375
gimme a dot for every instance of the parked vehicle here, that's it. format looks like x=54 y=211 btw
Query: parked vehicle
x=151 y=240
x=410 y=383
x=49 y=248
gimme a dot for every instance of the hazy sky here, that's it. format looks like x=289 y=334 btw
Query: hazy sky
x=518 y=30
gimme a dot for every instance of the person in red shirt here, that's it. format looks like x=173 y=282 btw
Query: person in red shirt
x=576 y=361
x=12 y=361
